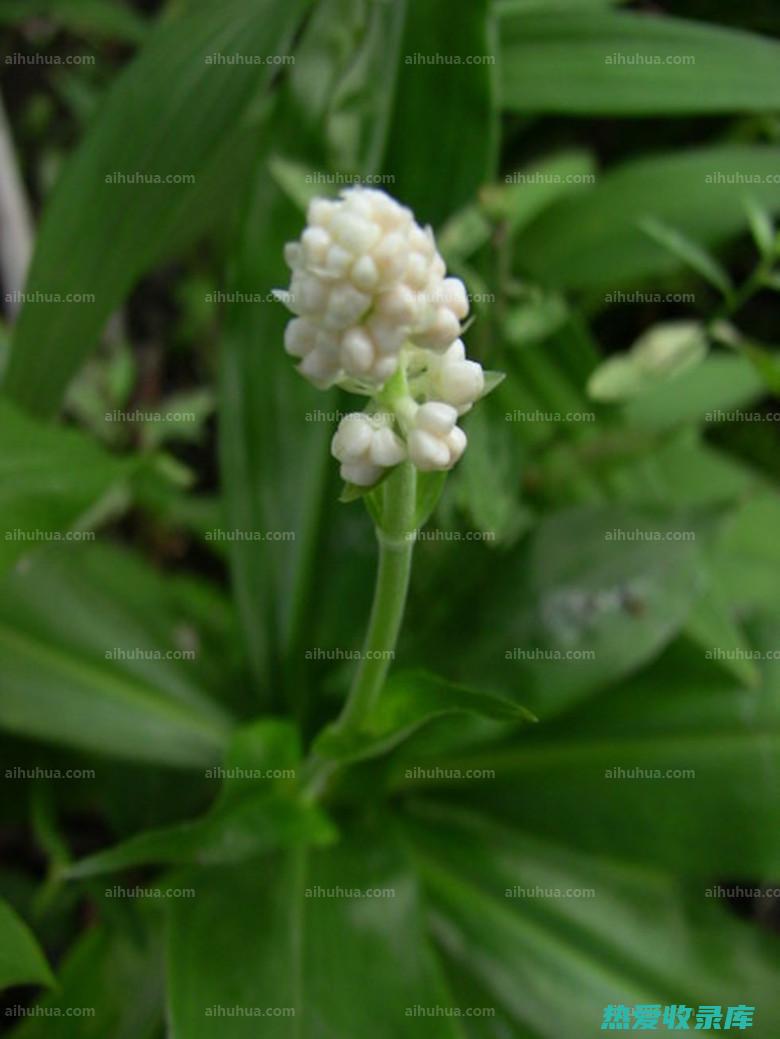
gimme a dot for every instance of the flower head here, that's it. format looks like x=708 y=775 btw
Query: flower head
x=375 y=312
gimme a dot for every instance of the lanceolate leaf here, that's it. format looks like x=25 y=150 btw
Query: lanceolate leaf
x=21 y=961
x=103 y=965
x=49 y=478
x=81 y=666
x=675 y=750
x=258 y=810
x=141 y=177
x=615 y=63
x=435 y=168
x=308 y=925
x=592 y=240
x=539 y=927
x=409 y=700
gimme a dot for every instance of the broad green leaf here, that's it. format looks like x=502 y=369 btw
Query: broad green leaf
x=614 y=63
x=717 y=387
x=552 y=937
x=174 y=112
x=103 y=966
x=49 y=478
x=307 y=926
x=592 y=241
x=21 y=960
x=748 y=554
x=682 y=468
x=437 y=169
x=257 y=811
x=713 y=623
x=677 y=751
x=600 y=592
x=91 y=647
x=410 y=700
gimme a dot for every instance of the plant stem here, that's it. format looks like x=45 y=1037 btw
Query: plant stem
x=396 y=537
x=396 y=543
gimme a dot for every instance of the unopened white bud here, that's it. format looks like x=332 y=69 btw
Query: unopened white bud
x=435 y=442
x=365 y=445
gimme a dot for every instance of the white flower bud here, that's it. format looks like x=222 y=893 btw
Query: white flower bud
x=365 y=444
x=439 y=333
x=455 y=297
x=435 y=442
x=292 y=255
x=346 y=305
x=364 y=274
x=366 y=280
x=457 y=380
x=398 y=305
x=357 y=352
x=321 y=211
x=353 y=233
x=300 y=337
x=337 y=261
x=435 y=417
x=315 y=241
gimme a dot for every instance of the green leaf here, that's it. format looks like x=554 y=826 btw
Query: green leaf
x=659 y=356
x=429 y=490
x=49 y=478
x=436 y=169
x=102 y=18
x=257 y=811
x=706 y=393
x=172 y=112
x=538 y=927
x=633 y=64
x=600 y=591
x=748 y=554
x=675 y=751
x=486 y=484
x=761 y=227
x=699 y=192
x=90 y=648
x=21 y=960
x=714 y=625
x=307 y=928
x=410 y=700
x=688 y=252
x=527 y=192
x=100 y=969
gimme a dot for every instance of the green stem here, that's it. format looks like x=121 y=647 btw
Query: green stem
x=396 y=543
x=396 y=537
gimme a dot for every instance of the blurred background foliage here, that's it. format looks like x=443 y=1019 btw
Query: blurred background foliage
x=587 y=203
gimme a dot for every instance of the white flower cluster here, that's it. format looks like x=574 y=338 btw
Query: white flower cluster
x=371 y=296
